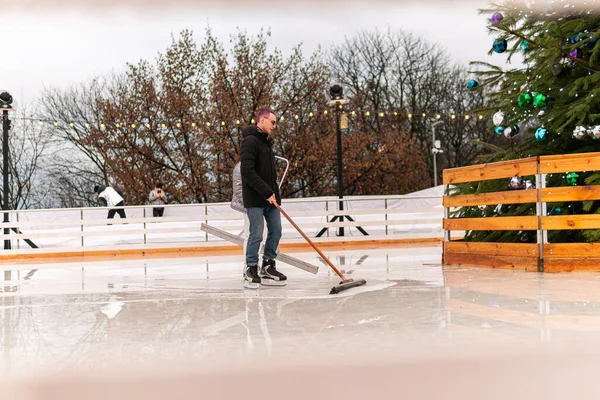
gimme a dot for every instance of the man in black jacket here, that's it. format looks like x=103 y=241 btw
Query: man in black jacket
x=260 y=192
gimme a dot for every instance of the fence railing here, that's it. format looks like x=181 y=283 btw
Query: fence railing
x=59 y=230
x=541 y=255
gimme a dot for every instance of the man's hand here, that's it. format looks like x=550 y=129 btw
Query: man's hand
x=272 y=199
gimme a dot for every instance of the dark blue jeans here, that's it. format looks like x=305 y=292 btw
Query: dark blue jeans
x=257 y=217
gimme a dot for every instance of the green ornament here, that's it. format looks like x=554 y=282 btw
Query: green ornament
x=572 y=178
x=540 y=100
x=525 y=99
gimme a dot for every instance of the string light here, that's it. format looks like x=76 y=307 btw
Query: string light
x=366 y=113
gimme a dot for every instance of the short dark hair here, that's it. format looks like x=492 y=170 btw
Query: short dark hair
x=264 y=113
x=159 y=185
x=96 y=189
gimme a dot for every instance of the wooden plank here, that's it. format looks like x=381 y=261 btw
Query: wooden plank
x=496 y=223
x=497 y=170
x=570 y=193
x=503 y=262
x=572 y=264
x=564 y=222
x=508 y=197
x=571 y=250
x=569 y=163
x=493 y=249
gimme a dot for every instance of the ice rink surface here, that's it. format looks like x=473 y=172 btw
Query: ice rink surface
x=102 y=315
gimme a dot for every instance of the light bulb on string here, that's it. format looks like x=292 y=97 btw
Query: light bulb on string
x=193 y=124
x=238 y=122
x=148 y=126
x=164 y=125
x=178 y=125
x=208 y=124
x=133 y=126
x=409 y=116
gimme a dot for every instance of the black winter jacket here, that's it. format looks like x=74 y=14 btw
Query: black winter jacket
x=259 y=177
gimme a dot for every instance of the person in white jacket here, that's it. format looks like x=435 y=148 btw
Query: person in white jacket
x=110 y=197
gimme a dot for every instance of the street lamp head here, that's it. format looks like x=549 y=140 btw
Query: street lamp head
x=336 y=94
x=5 y=100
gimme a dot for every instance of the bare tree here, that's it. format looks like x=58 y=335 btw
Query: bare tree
x=28 y=144
x=396 y=72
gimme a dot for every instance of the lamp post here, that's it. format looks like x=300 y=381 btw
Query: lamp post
x=6 y=106
x=336 y=93
x=435 y=149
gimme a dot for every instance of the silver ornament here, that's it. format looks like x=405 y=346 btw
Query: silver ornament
x=542 y=112
x=498 y=118
x=579 y=132
x=596 y=132
x=529 y=185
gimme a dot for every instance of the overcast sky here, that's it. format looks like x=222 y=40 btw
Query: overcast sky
x=62 y=44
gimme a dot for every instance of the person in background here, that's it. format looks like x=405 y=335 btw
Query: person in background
x=109 y=197
x=157 y=198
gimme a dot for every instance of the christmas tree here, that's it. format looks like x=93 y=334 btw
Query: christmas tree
x=548 y=105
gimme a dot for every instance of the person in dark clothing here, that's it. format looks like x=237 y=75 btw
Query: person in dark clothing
x=110 y=197
x=259 y=192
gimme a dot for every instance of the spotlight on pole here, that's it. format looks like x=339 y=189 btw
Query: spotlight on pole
x=5 y=100
x=337 y=98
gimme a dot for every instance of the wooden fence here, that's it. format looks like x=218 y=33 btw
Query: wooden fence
x=542 y=255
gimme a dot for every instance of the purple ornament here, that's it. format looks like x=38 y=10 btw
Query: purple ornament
x=575 y=53
x=496 y=18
